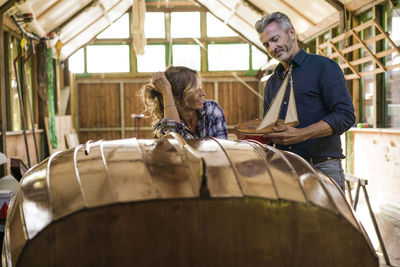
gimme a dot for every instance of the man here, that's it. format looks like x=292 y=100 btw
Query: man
x=324 y=106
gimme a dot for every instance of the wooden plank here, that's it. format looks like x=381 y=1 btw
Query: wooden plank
x=144 y=134
x=254 y=91
x=16 y=145
x=358 y=45
x=95 y=136
x=345 y=60
x=369 y=51
x=300 y=14
x=388 y=38
x=371 y=72
x=369 y=58
x=238 y=104
x=100 y=105
x=133 y=105
x=208 y=88
x=3 y=114
x=63 y=125
x=351 y=76
x=348 y=34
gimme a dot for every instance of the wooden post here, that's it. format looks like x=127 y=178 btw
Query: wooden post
x=355 y=82
x=3 y=114
x=378 y=78
x=3 y=169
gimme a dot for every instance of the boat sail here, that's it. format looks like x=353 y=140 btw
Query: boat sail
x=271 y=118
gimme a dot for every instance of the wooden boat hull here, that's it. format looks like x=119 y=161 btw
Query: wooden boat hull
x=172 y=202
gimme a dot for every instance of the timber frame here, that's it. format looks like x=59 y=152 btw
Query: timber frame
x=359 y=43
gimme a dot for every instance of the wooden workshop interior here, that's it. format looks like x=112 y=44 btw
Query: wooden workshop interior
x=72 y=70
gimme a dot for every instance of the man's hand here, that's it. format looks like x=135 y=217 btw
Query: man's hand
x=287 y=135
x=160 y=82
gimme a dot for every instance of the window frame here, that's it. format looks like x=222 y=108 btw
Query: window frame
x=203 y=41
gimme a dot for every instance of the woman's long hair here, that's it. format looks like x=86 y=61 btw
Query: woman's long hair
x=183 y=83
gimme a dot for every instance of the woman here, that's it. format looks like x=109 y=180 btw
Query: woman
x=175 y=101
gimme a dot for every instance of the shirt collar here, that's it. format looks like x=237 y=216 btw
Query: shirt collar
x=298 y=59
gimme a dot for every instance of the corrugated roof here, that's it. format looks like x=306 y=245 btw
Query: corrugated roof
x=77 y=22
x=74 y=22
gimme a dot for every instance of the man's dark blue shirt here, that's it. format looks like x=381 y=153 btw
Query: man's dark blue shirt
x=321 y=94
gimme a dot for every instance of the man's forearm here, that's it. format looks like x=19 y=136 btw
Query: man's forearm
x=318 y=129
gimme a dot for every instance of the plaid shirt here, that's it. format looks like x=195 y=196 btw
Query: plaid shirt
x=211 y=123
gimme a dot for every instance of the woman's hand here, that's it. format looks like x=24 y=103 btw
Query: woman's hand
x=160 y=82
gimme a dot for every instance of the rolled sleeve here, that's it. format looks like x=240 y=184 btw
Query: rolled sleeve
x=337 y=100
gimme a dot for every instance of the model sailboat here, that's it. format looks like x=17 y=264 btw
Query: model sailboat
x=271 y=118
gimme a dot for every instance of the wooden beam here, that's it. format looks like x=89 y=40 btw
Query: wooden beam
x=368 y=50
x=3 y=103
x=3 y=168
x=80 y=11
x=358 y=45
x=336 y=4
x=254 y=7
x=262 y=49
x=6 y=6
x=93 y=22
x=345 y=59
x=170 y=4
x=248 y=86
x=298 y=12
x=387 y=37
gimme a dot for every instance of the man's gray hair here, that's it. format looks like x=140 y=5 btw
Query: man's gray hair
x=281 y=19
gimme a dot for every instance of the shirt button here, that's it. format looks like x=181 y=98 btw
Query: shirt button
x=290 y=147
x=284 y=102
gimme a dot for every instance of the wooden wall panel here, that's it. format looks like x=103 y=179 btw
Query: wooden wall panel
x=208 y=88
x=99 y=105
x=238 y=102
x=133 y=105
x=144 y=134
x=98 y=135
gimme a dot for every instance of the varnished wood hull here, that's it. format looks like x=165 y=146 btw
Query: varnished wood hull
x=170 y=203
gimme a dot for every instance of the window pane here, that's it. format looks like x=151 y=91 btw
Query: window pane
x=393 y=76
x=216 y=28
x=228 y=57
x=152 y=60
x=367 y=81
x=154 y=25
x=108 y=58
x=258 y=58
x=185 y=24
x=76 y=62
x=186 y=55
x=119 y=29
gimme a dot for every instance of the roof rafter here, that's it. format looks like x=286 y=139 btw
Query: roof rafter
x=336 y=4
x=298 y=12
x=80 y=11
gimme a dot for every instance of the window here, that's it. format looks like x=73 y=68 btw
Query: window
x=154 y=25
x=186 y=55
x=118 y=30
x=190 y=21
x=153 y=59
x=392 y=77
x=367 y=112
x=76 y=62
x=258 y=58
x=216 y=28
x=107 y=58
x=188 y=46
x=228 y=57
